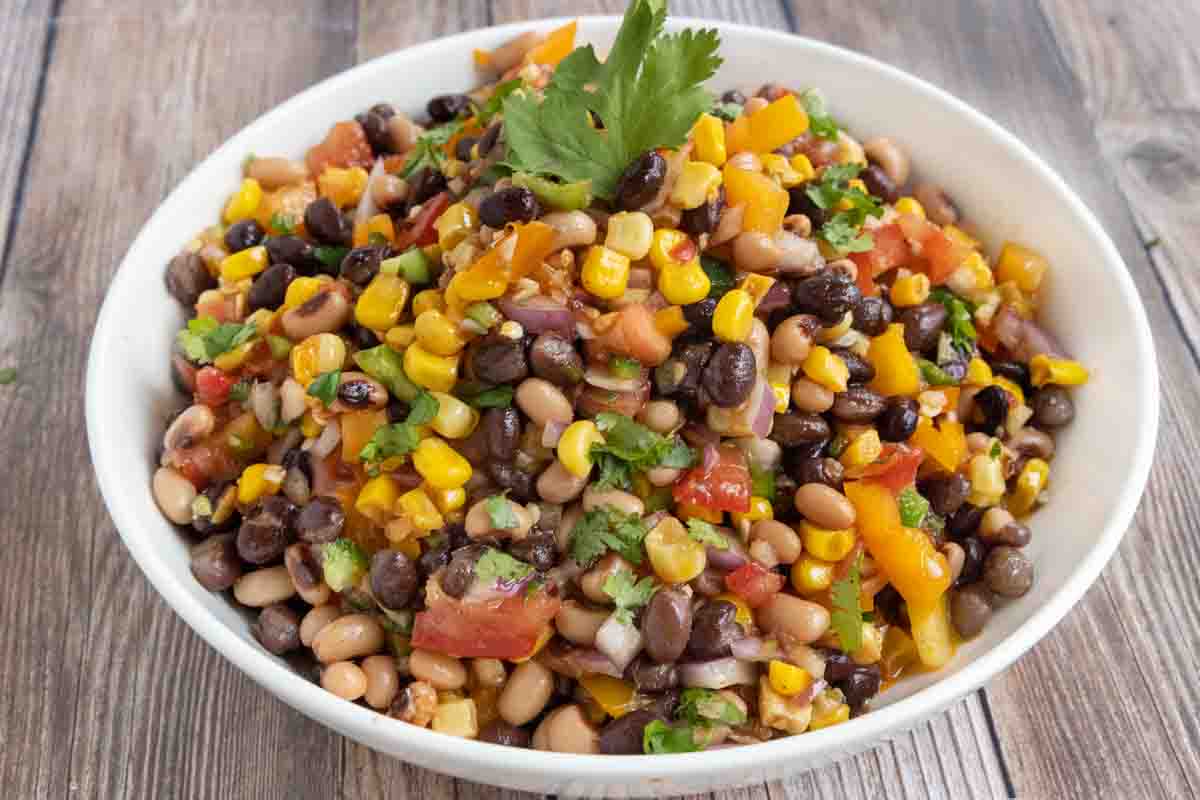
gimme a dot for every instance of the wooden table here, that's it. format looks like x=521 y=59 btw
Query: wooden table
x=108 y=103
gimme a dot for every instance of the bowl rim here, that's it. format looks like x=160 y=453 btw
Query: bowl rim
x=868 y=730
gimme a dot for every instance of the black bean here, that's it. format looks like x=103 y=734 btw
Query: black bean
x=872 y=315
x=922 y=325
x=891 y=606
x=446 y=107
x=782 y=504
x=974 y=552
x=729 y=375
x=394 y=579
x=970 y=609
x=511 y=204
x=699 y=316
x=946 y=493
x=553 y=358
x=705 y=217
x=800 y=203
x=623 y=736
x=489 y=139
x=277 y=629
x=857 y=405
x=1052 y=407
x=879 y=184
x=270 y=287
x=326 y=223
x=321 y=520
x=361 y=265
x=734 y=96
x=800 y=427
x=667 y=624
x=992 y=403
x=460 y=572
x=379 y=135
x=838 y=666
x=649 y=676
x=297 y=252
x=502 y=427
x=243 y=235
x=680 y=374
x=363 y=337
x=815 y=469
x=861 y=370
x=434 y=557
x=519 y=483
x=298 y=459
x=899 y=419
x=714 y=629
x=965 y=521
x=1015 y=371
x=215 y=563
x=266 y=530
x=496 y=359
x=355 y=393
x=1011 y=534
x=861 y=686
x=424 y=184
x=187 y=278
x=827 y=295
x=1008 y=572
x=500 y=732
x=640 y=181
x=464 y=146
x=538 y=549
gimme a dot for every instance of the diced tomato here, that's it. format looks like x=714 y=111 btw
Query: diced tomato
x=205 y=463
x=725 y=487
x=504 y=628
x=420 y=231
x=345 y=145
x=221 y=307
x=940 y=255
x=754 y=583
x=213 y=385
x=896 y=468
x=890 y=251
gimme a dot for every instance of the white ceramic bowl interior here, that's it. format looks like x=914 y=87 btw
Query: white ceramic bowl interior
x=1091 y=304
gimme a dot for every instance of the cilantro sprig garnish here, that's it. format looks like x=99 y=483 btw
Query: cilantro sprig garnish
x=847 y=617
x=630 y=447
x=648 y=93
x=495 y=104
x=850 y=206
x=628 y=594
x=706 y=533
x=204 y=338
x=496 y=566
x=427 y=152
x=700 y=707
x=604 y=529
x=819 y=122
x=958 y=320
x=500 y=513
x=401 y=438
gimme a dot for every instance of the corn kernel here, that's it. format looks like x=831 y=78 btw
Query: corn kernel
x=456 y=718
x=978 y=373
x=377 y=498
x=909 y=205
x=380 y=305
x=781 y=169
x=839 y=714
x=697 y=181
x=865 y=449
x=258 y=480
x=1030 y=484
x=911 y=290
x=825 y=543
x=475 y=285
x=670 y=321
x=783 y=396
x=437 y=334
x=675 y=556
x=440 y=464
x=427 y=300
x=605 y=272
x=757 y=286
x=231 y=360
x=683 y=285
x=987 y=480
x=744 y=616
x=321 y=352
x=959 y=236
x=760 y=508
x=823 y=367
x=309 y=426
x=301 y=290
x=788 y=679
x=663 y=245
x=342 y=185
x=812 y=575
x=434 y=372
x=420 y=510
x=447 y=500
x=454 y=419
x=708 y=137
x=456 y=223
x=575 y=446
x=1044 y=369
x=630 y=233
x=803 y=165
x=244 y=263
x=1022 y=266
x=776 y=711
x=244 y=202
x=401 y=336
x=734 y=316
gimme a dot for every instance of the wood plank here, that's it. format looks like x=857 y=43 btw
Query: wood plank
x=1120 y=660
x=110 y=694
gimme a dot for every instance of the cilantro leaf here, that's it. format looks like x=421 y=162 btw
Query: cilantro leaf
x=324 y=387
x=628 y=594
x=499 y=397
x=422 y=409
x=706 y=533
x=913 y=507
x=606 y=528
x=204 y=339
x=648 y=92
x=330 y=255
x=635 y=447
x=659 y=737
x=495 y=103
x=958 y=319
x=496 y=566
x=284 y=223
x=427 y=152
x=401 y=438
x=706 y=706
x=819 y=121
x=501 y=514
x=720 y=276
x=996 y=450
x=843 y=230
x=846 y=619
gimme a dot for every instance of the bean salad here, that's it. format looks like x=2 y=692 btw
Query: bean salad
x=591 y=412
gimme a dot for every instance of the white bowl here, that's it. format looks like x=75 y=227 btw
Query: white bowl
x=1004 y=188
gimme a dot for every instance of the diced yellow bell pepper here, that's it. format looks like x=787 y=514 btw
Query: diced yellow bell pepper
x=343 y=186
x=1044 y=369
x=244 y=202
x=1021 y=265
x=670 y=321
x=258 y=480
x=765 y=201
x=768 y=128
x=932 y=635
x=708 y=137
x=615 y=696
x=377 y=498
x=946 y=444
x=756 y=286
x=555 y=47
x=896 y=371
x=244 y=263
x=788 y=679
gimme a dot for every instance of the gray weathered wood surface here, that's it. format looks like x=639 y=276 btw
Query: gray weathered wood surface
x=107 y=105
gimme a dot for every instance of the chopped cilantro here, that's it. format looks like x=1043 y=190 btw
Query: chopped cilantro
x=846 y=619
x=330 y=255
x=628 y=594
x=204 y=338
x=422 y=409
x=819 y=121
x=996 y=450
x=623 y=367
x=649 y=92
x=935 y=375
x=428 y=149
x=280 y=346
x=401 y=438
x=501 y=514
x=377 y=239
x=833 y=192
x=705 y=706
x=958 y=319
x=706 y=533
x=838 y=445
x=240 y=391
x=659 y=737
x=324 y=387
x=498 y=397
x=495 y=103
x=7 y=375
x=629 y=447
x=496 y=566
x=913 y=507
x=604 y=529
x=726 y=111
x=284 y=223
x=720 y=276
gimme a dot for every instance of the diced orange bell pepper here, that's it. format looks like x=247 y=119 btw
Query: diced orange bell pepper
x=946 y=444
x=556 y=46
x=357 y=429
x=895 y=369
x=765 y=201
x=771 y=127
x=615 y=696
x=535 y=241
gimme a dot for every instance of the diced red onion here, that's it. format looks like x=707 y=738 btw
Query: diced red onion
x=366 y=205
x=619 y=641
x=264 y=400
x=719 y=674
x=730 y=558
x=539 y=315
x=800 y=256
x=1023 y=337
x=280 y=446
x=764 y=417
x=808 y=695
x=552 y=433
x=331 y=434
x=754 y=648
x=710 y=458
x=602 y=377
